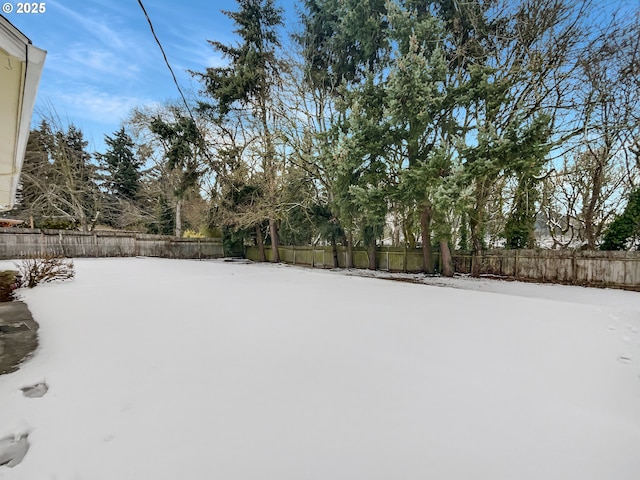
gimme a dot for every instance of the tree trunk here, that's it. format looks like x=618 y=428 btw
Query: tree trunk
x=409 y=237
x=476 y=222
x=260 y=244
x=396 y=231
x=476 y=245
x=83 y=221
x=178 y=230
x=334 y=250
x=273 y=230
x=445 y=257
x=94 y=221
x=597 y=179
x=349 y=249
x=373 y=257
x=425 y=228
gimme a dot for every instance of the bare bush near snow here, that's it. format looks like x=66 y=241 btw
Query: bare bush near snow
x=43 y=269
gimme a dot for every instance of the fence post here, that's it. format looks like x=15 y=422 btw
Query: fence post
x=60 y=242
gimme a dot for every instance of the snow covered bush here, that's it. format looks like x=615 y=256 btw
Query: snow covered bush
x=43 y=269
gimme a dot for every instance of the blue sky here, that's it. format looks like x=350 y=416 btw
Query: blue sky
x=102 y=59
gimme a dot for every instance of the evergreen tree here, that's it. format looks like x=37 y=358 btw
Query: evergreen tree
x=121 y=165
x=624 y=231
x=165 y=221
x=505 y=65
x=346 y=48
x=420 y=123
x=79 y=196
x=59 y=180
x=183 y=147
x=362 y=179
x=250 y=80
x=526 y=158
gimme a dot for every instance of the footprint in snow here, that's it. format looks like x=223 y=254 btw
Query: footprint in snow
x=626 y=359
x=35 y=391
x=13 y=449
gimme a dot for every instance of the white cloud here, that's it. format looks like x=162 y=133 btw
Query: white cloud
x=95 y=105
x=87 y=62
x=96 y=26
x=195 y=50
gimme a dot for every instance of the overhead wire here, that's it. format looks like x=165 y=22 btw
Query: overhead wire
x=166 y=60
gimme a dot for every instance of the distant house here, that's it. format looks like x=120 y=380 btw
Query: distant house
x=20 y=67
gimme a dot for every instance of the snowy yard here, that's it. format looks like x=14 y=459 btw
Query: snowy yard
x=172 y=369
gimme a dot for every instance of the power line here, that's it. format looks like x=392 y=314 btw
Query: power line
x=175 y=80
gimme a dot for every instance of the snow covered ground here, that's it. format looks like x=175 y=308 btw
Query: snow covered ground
x=173 y=369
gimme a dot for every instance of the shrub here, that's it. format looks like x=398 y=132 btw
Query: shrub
x=47 y=268
x=58 y=224
x=192 y=234
x=8 y=283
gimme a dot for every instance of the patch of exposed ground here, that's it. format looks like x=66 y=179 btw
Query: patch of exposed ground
x=18 y=335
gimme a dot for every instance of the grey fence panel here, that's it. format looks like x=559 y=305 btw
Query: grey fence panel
x=20 y=243
x=590 y=268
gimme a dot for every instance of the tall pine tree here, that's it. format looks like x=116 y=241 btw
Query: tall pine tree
x=183 y=148
x=249 y=81
x=121 y=165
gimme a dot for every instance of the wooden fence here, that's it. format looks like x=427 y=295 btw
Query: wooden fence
x=21 y=243
x=389 y=258
x=588 y=268
x=584 y=267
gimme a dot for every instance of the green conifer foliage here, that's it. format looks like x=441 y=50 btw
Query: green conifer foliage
x=253 y=67
x=165 y=221
x=122 y=166
x=59 y=179
x=183 y=146
x=625 y=228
